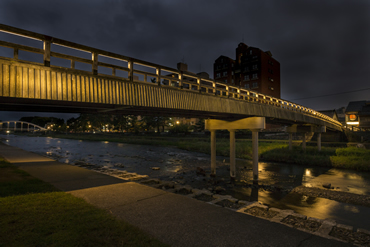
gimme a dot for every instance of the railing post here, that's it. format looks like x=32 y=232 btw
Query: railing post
x=181 y=79
x=198 y=84
x=47 y=44
x=227 y=91
x=130 y=66
x=95 y=63
x=15 y=53
x=158 y=72
x=214 y=88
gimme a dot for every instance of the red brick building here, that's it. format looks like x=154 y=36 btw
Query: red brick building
x=252 y=69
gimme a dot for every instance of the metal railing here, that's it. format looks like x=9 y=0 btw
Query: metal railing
x=160 y=75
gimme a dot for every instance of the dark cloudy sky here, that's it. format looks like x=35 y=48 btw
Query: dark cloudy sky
x=323 y=46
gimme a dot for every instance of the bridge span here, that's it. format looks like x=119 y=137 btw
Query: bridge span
x=20 y=126
x=119 y=84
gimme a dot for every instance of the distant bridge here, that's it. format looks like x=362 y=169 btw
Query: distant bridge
x=20 y=126
x=118 y=84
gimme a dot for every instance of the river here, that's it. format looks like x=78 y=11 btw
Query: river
x=276 y=180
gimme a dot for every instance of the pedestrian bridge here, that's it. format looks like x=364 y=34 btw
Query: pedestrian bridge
x=70 y=77
x=97 y=81
x=10 y=126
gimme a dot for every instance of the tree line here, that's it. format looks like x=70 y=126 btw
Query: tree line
x=115 y=123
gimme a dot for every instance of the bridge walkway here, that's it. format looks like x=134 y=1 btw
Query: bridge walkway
x=174 y=219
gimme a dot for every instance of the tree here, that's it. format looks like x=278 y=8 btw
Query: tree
x=200 y=125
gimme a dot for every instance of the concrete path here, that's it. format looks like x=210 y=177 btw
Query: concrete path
x=174 y=219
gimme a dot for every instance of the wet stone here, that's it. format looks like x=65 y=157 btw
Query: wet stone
x=261 y=212
x=183 y=191
x=204 y=197
x=298 y=222
x=229 y=204
x=350 y=236
x=150 y=182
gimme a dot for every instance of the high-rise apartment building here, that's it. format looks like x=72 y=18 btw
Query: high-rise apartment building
x=252 y=69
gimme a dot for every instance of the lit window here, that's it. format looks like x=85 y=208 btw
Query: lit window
x=352 y=117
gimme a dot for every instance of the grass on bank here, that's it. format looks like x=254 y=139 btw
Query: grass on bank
x=34 y=213
x=271 y=150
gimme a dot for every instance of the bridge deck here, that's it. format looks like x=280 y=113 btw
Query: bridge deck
x=146 y=89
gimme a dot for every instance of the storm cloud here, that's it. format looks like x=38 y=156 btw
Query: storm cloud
x=323 y=46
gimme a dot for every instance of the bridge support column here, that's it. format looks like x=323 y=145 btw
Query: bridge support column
x=253 y=123
x=255 y=155
x=232 y=154
x=319 y=130
x=213 y=153
x=290 y=141
x=304 y=141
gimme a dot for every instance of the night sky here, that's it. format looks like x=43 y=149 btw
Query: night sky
x=323 y=46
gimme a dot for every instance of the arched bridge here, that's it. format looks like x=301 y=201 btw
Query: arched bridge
x=132 y=87
x=20 y=126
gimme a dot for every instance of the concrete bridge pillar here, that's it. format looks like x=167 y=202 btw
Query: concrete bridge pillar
x=255 y=155
x=290 y=141
x=232 y=154
x=319 y=142
x=213 y=153
x=304 y=141
x=319 y=130
x=254 y=123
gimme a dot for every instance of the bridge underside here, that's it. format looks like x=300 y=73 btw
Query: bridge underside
x=33 y=87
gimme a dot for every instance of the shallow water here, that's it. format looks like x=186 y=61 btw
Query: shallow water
x=180 y=166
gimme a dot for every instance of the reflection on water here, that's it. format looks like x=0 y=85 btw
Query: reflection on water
x=180 y=166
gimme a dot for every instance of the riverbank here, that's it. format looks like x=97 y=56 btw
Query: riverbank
x=331 y=155
x=35 y=213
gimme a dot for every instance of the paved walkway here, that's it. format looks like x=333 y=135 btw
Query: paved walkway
x=174 y=219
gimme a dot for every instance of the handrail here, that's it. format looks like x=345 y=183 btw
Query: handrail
x=193 y=81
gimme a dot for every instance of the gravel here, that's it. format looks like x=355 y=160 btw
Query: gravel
x=261 y=212
x=296 y=222
x=204 y=197
x=229 y=204
x=350 y=236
